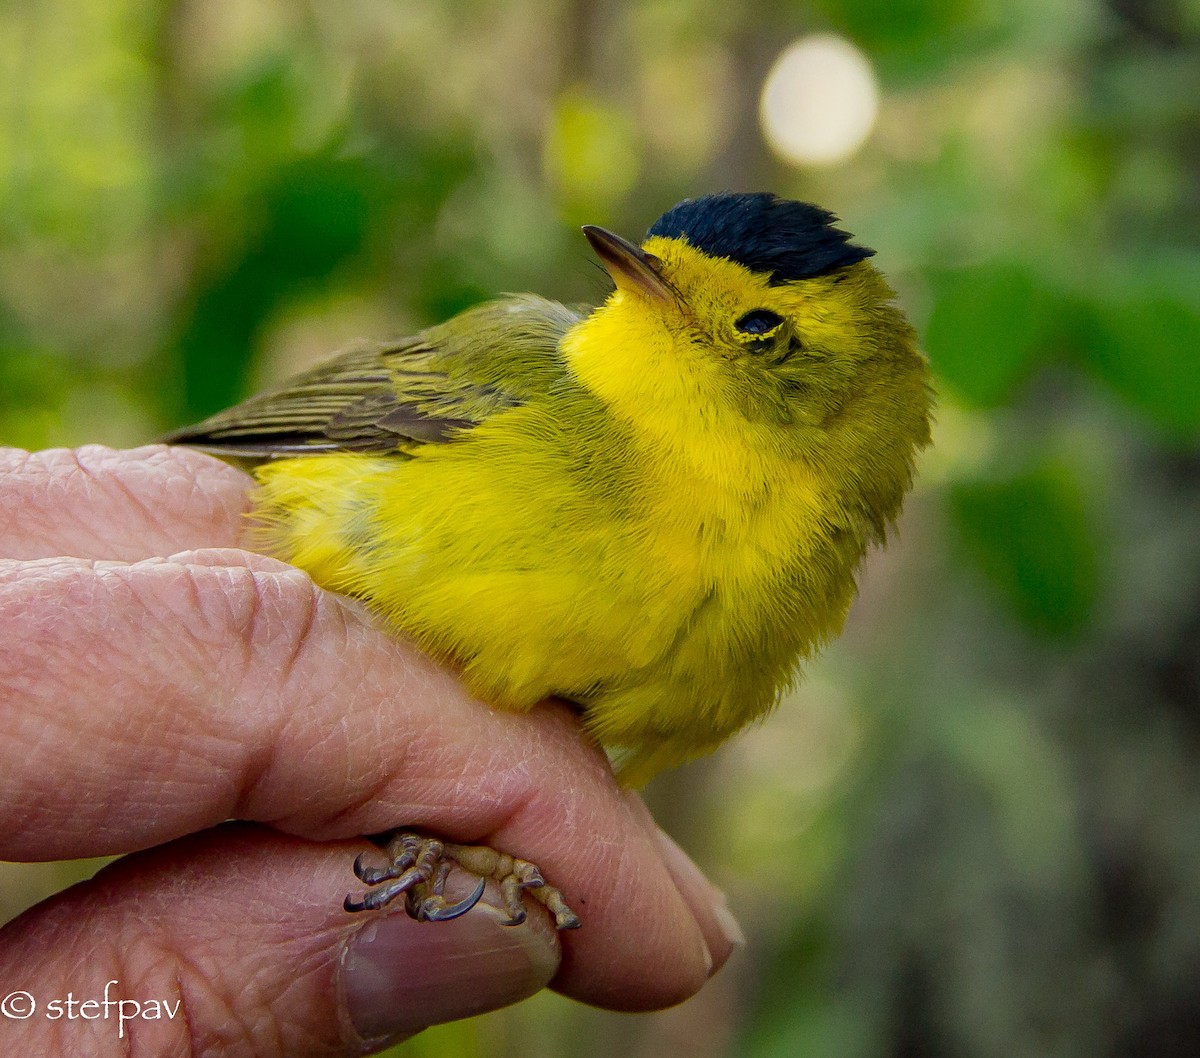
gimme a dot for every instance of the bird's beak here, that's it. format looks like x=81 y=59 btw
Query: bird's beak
x=630 y=266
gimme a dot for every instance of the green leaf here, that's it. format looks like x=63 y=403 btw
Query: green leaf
x=1147 y=348
x=1033 y=539
x=984 y=331
x=312 y=217
x=905 y=22
x=910 y=40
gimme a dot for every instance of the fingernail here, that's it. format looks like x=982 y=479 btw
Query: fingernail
x=730 y=926
x=398 y=976
x=689 y=876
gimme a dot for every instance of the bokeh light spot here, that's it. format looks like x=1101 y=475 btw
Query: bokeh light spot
x=819 y=102
x=592 y=155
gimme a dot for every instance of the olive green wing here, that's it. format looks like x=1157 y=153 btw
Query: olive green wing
x=394 y=397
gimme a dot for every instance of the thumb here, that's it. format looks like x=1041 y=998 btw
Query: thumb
x=232 y=941
x=399 y=977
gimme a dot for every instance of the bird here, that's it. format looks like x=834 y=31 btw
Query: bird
x=653 y=509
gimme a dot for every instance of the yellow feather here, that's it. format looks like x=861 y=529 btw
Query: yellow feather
x=663 y=533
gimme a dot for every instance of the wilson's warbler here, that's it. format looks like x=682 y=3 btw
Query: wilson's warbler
x=654 y=509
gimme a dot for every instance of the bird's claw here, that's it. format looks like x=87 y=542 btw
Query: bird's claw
x=418 y=866
x=433 y=907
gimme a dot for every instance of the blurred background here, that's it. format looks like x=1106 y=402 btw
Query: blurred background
x=975 y=829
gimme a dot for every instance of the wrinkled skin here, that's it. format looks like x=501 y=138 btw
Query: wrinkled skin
x=157 y=681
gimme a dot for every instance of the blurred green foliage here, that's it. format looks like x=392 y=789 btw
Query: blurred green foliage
x=975 y=830
x=1033 y=538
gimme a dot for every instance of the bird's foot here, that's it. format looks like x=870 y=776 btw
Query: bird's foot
x=418 y=866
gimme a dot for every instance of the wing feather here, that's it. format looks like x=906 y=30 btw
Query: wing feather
x=394 y=397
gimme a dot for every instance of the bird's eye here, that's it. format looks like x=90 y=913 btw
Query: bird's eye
x=758 y=321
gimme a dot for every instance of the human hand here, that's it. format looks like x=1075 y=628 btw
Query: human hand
x=155 y=681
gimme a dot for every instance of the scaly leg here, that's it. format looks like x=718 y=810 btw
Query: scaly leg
x=418 y=866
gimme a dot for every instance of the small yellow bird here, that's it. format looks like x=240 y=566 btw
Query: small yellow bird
x=654 y=509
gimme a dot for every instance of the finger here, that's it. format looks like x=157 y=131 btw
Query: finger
x=247 y=692
x=722 y=932
x=227 y=942
x=96 y=502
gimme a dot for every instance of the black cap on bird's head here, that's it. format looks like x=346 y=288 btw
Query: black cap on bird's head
x=766 y=233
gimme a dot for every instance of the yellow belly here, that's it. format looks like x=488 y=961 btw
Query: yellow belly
x=672 y=612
